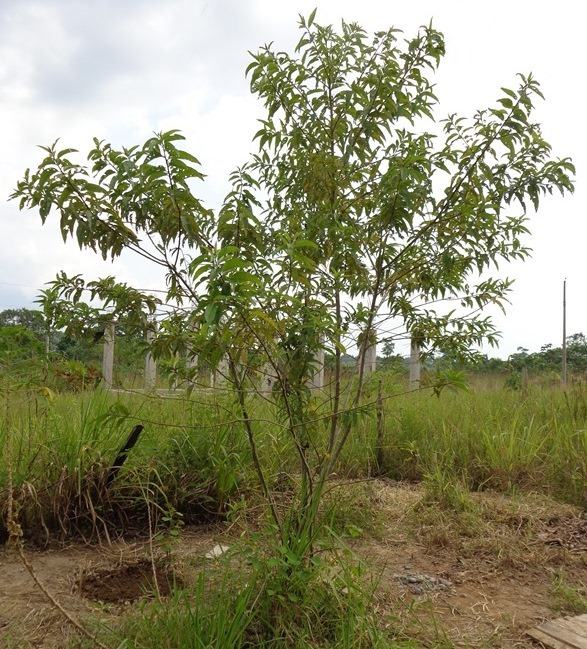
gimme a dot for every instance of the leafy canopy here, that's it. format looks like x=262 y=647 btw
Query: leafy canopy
x=358 y=209
x=364 y=196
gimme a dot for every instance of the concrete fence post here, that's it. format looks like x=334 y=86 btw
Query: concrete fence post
x=317 y=381
x=150 y=363
x=108 y=356
x=220 y=376
x=414 y=366
x=370 y=359
x=192 y=363
x=524 y=380
x=267 y=379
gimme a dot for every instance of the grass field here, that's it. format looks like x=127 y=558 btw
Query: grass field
x=193 y=456
x=192 y=464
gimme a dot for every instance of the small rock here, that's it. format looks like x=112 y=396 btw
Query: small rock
x=422 y=583
x=217 y=551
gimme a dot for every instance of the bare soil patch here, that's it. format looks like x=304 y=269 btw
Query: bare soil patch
x=476 y=578
x=128 y=582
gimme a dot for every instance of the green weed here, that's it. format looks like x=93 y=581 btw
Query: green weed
x=567 y=597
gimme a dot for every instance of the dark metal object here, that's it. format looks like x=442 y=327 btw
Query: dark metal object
x=121 y=457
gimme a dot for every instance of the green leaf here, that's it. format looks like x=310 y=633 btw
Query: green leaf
x=211 y=314
x=241 y=276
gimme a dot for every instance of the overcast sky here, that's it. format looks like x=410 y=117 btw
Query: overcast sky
x=121 y=69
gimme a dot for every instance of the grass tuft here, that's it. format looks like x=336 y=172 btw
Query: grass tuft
x=567 y=597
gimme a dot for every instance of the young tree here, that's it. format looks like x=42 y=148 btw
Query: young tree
x=355 y=203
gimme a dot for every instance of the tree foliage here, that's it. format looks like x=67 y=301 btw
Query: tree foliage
x=358 y=203
x=20 y=342
x=550 y=358
x=31 y=319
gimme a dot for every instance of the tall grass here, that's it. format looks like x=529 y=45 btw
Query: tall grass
x=190 y=458
x=193 y=456
x=501 y=439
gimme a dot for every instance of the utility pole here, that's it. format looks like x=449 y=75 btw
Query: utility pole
x=564 y=374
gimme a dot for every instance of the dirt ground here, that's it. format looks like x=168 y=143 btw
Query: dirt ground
x=480 y=577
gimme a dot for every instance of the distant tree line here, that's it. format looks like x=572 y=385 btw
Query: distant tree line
x=23 y=333
x=548 y=359
x=551 y=358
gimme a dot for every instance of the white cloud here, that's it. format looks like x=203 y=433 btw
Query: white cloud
x=120 y=70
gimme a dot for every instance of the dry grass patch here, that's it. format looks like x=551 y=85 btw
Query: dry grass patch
x=510 y=563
